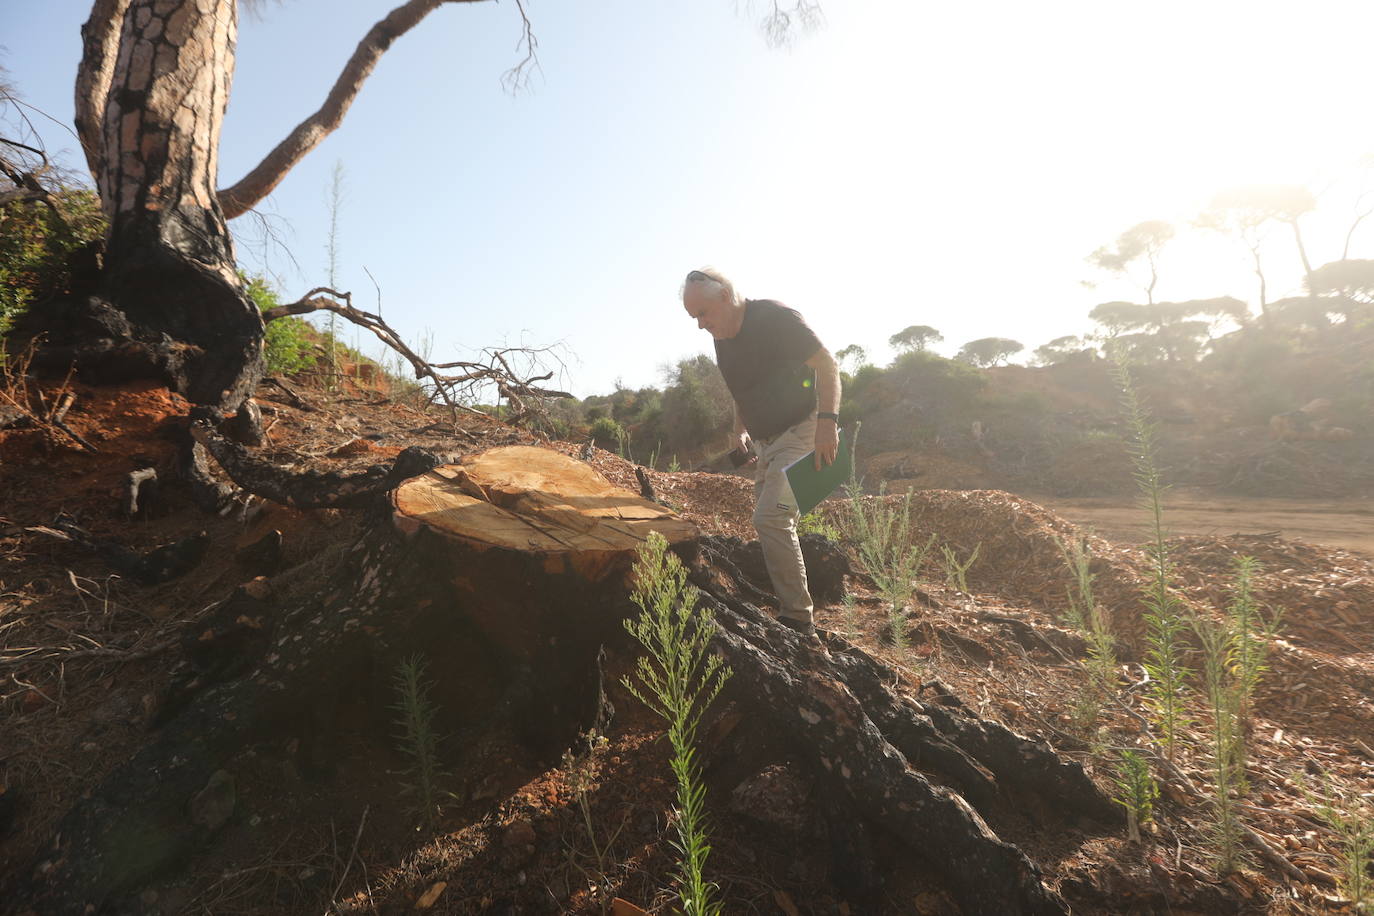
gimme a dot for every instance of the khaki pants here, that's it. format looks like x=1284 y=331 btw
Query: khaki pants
x=775 y=517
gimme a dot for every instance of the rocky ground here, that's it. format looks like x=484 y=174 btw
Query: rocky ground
x=87 y=655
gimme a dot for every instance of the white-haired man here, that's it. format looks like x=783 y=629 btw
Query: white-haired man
x=786 y=389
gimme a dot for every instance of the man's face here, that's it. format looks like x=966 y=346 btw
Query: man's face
x=708 y=306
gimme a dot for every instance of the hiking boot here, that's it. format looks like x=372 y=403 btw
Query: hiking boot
x=804 y=627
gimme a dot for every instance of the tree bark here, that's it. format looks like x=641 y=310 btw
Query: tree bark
x=170 y=262
x=152 y=89
x=100 y=45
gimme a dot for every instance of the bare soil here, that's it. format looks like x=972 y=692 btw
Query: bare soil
x=1346 y=523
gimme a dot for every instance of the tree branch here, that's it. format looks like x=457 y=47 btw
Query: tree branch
x=497 y=371
x=26 y=183
x=258 y=183
x=1363 y=214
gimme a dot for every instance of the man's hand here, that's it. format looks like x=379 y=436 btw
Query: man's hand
x=827 y=442
x=742 y=443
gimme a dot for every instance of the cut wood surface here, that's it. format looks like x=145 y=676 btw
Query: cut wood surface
x=535 y=501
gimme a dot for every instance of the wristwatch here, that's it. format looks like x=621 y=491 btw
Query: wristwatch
x=827 y=415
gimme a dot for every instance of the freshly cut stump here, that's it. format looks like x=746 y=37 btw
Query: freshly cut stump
x=537 y=502
x=510 y=517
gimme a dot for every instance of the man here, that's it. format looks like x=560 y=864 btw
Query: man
x=778 y=375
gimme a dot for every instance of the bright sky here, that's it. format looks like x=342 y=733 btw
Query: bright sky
x=947 y=164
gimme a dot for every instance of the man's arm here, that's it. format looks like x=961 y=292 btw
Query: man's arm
x=827 y=401
x=741 y=440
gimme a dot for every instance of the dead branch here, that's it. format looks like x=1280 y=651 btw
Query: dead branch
x=292 y=397
x=15 y=394
x=26 y=183
x=1273 y=856
x=118 y=655
x=518 y=77
x=523 y=396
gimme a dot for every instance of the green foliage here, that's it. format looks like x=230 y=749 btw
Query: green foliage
x=1167 y=693
x=1141 y=240
x=1251 y=637
x=854 y=356
x=1063 y=349
x=607 y=433
x=1136 y=790
x=696 y=405
x=988 y=351
x=816 y=523
x=915 y=337
x=1351 y=815
x=678 y=680
x=1166 y=331
x=36 y=243
x=1087 y=616
x=879 y=531
x=956 y=571
x=1224 y=740
x=942 y=390
x=419 y=741
x=286 y=341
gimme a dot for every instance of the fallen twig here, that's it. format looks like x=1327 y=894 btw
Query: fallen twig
x=293 y=399
x=121 y=655
x=1274 y=857
x=352 y=853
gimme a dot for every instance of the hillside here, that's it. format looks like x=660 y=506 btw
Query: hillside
x=95 y=660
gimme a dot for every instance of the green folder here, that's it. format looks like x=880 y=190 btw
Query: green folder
x=809 y=485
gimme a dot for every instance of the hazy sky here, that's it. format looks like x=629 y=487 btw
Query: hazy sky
x=911 y=163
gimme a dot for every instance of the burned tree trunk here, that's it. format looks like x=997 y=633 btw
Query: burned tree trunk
x=517 y=561
x=151 y=96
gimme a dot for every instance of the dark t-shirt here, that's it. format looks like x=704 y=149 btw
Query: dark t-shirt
x=764 y=367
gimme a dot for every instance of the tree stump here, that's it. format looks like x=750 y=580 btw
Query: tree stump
x=514 y=564
x=536 y=503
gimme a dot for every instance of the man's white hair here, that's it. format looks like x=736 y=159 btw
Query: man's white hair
x=714 y=283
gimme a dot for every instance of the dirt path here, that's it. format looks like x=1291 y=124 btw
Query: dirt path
x=1342 y=523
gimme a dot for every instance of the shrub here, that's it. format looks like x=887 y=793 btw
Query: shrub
x=286 y=341
x=36 y=244
x=419 y=741
x=816 y=523
x=1165 y=625
x=607 y=433
x=1088 y=616
x=1351 y=816
x=1136 y=790
x=678 y=679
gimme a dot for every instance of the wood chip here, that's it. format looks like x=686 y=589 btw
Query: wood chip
x=431 y=896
